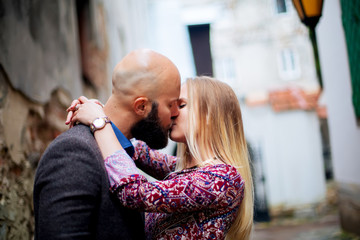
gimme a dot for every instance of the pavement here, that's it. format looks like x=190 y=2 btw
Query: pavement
x=319 y=223
x=326 y=227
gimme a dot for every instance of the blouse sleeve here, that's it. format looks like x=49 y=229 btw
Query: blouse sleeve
x=153 y=162
x=217 y=187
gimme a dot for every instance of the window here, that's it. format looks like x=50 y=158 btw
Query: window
x=288 y=64
x=283 y=6
x=226 y=70
x=200 y=44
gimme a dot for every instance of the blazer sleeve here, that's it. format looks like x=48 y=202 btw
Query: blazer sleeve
x=153 y=162
x=66 y=191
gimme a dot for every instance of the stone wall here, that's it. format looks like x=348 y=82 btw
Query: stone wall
x=349 y=207
x=42 y=69
x=39 y=46
x=26 y=128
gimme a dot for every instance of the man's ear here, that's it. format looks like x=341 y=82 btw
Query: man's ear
x=142 y=106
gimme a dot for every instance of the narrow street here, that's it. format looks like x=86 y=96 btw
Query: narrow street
x=323 y=228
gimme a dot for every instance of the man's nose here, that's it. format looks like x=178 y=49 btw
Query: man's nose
x=174 y=111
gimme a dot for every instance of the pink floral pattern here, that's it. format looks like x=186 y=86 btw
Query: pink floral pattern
x=197 y=203
x=155 y=163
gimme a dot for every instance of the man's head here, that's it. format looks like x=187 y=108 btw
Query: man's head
x=146 y=86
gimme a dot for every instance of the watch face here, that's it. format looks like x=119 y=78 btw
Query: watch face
x=99 y=122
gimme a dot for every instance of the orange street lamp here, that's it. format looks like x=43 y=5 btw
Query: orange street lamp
x=309 y=12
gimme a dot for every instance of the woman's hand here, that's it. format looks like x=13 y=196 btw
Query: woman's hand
x=84 y=110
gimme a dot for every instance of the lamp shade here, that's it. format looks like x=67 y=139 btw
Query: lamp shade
x=309 y=11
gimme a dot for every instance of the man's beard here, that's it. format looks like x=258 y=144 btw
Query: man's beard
x=150 y=130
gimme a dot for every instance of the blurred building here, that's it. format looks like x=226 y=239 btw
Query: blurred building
x=263 y=51
x=260 y=48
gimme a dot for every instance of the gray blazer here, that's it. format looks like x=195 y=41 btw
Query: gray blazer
x=71 y=193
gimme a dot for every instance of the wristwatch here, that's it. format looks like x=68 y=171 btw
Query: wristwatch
x=99 y=123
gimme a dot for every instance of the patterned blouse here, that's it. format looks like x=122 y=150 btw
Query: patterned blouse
x=196 y=203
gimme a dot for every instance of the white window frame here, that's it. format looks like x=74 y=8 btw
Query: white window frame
x=288 y=64
x=225 y=70
x=288 y=5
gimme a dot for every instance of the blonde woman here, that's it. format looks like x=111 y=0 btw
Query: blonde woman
x=205 y=192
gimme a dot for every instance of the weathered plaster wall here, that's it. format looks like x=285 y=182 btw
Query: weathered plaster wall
x=41 y=71
x=25 y=131
x=39 y=46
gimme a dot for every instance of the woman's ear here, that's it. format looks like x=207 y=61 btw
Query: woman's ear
x=142 y=106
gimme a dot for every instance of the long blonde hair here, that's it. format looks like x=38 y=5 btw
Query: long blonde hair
x=215 y=129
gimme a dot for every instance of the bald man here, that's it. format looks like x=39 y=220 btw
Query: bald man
x=71 y=191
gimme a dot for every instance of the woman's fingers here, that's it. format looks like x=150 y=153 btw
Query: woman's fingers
x=83 y=99
x=74 y=103
x=74 y=119
x=69 y=117
x=71 y=110
x=96 y=101
x=88 y=112
x=72 y=106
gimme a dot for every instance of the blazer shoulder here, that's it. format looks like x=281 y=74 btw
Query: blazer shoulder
x=77 y=132
x=76 y=146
